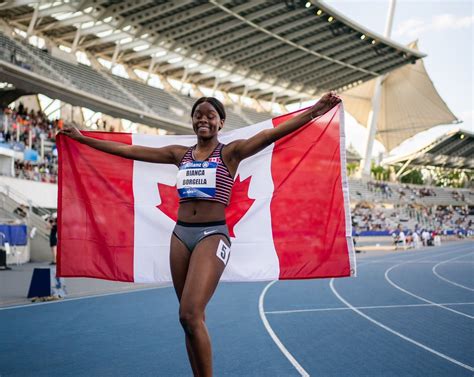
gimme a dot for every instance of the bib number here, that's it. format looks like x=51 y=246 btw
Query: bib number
x=223 y=252
x=197 y=180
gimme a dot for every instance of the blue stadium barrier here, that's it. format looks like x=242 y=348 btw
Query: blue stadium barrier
x=381 y=233
x=372 y=233
x=15 y=235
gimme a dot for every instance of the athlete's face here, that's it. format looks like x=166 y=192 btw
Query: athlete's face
x=206 y=120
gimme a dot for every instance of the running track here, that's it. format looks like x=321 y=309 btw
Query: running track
x=409 y=313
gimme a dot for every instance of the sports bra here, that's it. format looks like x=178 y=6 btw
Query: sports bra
x=204 y=180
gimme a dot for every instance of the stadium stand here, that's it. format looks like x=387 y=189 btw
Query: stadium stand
x=372 y=191
x=31 y=133
x=157 y=99
x=256 y=116
x=80 y=76
x=11 y=52
x=115 y=88
x=383 y=219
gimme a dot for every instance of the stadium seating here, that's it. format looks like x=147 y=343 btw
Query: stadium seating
x=11 y=52
x=172 y=105
x=84 y=78
x=359 y=191
x=157 y=99
x=255 y=116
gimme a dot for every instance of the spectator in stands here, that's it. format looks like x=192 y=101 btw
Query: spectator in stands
x=13 y=57
x=425 y=236
x=401 y=193
x=416 y=241
x=399 y=237
x=34 y=126
x=53 y=238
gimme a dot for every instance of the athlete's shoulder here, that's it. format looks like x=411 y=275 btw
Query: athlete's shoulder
x=180 y=152
x=230 y=149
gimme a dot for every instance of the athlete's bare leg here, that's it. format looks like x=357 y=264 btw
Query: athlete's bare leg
x=204 y=272
x=179 y=263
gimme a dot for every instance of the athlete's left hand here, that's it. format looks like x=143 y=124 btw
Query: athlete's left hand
x=325 y=103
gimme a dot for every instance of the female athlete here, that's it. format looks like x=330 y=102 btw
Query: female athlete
x=200 y=243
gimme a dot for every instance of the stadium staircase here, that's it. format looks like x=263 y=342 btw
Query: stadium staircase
x=11 y=200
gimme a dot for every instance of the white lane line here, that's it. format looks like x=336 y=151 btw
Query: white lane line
x=364 y=307
x=408 y=261
x=446 y=279
x=429 y=253
x=404 y=337
x=274 y=337
x=387 y=272
x=81 y=298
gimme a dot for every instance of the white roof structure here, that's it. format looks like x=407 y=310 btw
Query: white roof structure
x=275 y=50
x=454 y=149
x=409 y=104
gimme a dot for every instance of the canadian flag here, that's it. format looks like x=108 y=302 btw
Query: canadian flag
x=288 y=217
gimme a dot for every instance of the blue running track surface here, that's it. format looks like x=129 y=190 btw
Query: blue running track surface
x=409 y=313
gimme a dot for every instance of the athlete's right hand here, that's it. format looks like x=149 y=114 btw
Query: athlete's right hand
x=71 y=131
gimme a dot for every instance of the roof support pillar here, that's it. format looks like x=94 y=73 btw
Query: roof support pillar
x=184 y=77
x=215 y=86
x=75 y=43
x=372 y=127
x=402 y=169
x=374 y=113
x=115 y=56
x=150 y=69
x=244 y=94
x=32 y=24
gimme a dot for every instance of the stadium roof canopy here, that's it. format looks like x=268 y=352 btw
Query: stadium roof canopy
x=409 y=104
x=455 y=149
x=283 y=51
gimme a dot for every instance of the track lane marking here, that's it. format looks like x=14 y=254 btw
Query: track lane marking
x=387 y=278
x=394 y=332
x=404 y=337
x=364 y=307
x=446 y=279
x=274 y=337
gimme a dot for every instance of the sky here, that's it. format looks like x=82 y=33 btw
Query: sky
x=444 y=30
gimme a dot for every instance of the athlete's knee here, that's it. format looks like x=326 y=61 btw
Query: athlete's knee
x=191 y=319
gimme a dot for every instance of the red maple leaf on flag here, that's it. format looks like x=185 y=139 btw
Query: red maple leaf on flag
x=169 y=201
x=240 y=202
